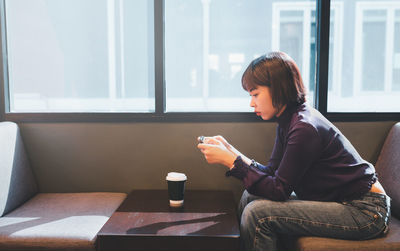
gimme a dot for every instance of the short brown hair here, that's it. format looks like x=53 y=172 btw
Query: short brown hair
x=279 y=72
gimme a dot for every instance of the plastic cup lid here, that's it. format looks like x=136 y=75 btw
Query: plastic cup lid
x=174 y=176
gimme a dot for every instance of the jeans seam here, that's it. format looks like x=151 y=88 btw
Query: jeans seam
x=255 y=236
x=327 y=225
x=269 y=218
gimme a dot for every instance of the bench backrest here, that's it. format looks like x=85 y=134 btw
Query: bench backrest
x=17 y=183
x=388 y=168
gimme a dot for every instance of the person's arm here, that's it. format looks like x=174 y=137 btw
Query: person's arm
x=217 y=150
x=276 y=156
x=240 y=166
x=303 y=147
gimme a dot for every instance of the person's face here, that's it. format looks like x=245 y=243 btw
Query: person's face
x=261 y=101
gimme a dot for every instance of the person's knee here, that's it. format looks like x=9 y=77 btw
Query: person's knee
x=247 y=222
x=251 y=214
x=244 y=200
x=258 y=210
x=245 y=197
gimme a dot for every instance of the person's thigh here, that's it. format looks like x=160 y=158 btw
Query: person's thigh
x=308 y=218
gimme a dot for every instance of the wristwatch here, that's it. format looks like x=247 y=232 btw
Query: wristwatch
x=254 y=164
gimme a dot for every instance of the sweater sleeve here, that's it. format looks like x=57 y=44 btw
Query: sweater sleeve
x=240 y=168
x=302 y=148
x=277 y=151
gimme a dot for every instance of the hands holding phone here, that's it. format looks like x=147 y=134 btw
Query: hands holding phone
x=217 y=150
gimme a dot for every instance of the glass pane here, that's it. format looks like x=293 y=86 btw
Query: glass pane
x=332 y=35
x=373 y=63
x=208 y=45
x=367 y=78
x=396 y=55
x=291 y=35
x=95 y=58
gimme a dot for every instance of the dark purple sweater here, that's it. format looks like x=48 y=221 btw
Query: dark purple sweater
x=310 y=157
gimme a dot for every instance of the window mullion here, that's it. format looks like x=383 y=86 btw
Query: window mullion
x=322 y=55
x=4 y=94
x=159 y=79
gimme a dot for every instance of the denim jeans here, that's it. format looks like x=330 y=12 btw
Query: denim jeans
x=262 y=220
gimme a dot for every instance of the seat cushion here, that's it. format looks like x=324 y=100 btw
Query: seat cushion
x=50 y=221
x=388 y=168
x=389 y=242
x=17 y=183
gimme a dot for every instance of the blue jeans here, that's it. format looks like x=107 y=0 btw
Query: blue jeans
x=262 y=220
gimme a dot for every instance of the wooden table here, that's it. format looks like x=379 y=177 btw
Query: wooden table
x=145 y=222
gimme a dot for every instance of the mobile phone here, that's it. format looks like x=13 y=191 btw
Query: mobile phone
x=201 y=139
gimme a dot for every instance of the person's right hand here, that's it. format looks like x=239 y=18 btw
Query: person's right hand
x=227 y=144
x=215 y=151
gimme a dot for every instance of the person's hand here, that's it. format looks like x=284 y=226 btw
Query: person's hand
x=216 y=151
x=227 y=145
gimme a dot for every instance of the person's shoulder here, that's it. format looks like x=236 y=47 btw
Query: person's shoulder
x=309 y=118
x=305 y=115
x=306 y=118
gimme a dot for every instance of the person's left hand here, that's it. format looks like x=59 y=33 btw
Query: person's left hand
x=215 y=152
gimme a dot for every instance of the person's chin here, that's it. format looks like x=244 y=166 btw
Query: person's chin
x=266 y=117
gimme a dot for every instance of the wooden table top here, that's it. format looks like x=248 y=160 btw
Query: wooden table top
x=147 y=213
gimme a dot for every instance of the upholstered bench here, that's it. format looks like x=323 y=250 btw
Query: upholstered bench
x=388 y=169
x=30 y=220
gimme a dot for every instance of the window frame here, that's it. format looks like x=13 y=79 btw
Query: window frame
x=320 y=99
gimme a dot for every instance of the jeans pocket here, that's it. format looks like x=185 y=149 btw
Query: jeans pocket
x=366 y=207
x=371 y=215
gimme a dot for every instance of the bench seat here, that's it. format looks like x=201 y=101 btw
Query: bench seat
x=31 y=220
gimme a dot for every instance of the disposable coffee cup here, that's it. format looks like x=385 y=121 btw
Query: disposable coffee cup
x=176 y=188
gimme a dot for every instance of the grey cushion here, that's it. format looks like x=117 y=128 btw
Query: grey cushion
x=58 y=221
x=390 y=242
x=17 y=183
x=388 y=167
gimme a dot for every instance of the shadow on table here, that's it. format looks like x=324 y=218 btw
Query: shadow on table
x=202 y=226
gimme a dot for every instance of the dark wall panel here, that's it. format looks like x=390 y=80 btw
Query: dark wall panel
x=71 y=157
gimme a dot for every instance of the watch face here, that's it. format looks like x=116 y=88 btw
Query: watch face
x=254 y=164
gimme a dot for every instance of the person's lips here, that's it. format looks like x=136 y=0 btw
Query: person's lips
x=258 y=113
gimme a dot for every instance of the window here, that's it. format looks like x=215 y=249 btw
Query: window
x=371 y=59
x=295 y=33
x=182 y=60
x=209 y=43
x=95 y=58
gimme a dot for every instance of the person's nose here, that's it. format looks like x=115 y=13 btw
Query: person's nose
x=252 y=103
